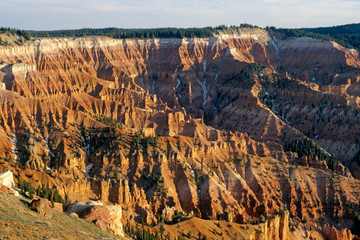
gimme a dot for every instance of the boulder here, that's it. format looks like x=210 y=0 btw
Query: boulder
x=42 y=206
x=73 y=215
x=103 y=216
x=7 y=179
x=58 y=207
x=7 y=183
x=96 y=213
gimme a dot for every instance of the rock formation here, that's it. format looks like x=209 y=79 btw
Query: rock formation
x=195 y=125
x=104 y=217
x=42 y=206
x=7 y=179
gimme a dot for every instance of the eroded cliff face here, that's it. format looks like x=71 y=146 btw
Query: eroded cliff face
x=217 y=78
x=193 y=125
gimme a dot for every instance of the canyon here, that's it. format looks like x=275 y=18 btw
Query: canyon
x=193 y=127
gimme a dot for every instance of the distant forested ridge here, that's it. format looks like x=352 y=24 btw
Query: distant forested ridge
x=348 y=38
x=346 y=35
x=336 y=30
x=12 y=36
x=15 y=31
x=130 y=33
x=121 y=33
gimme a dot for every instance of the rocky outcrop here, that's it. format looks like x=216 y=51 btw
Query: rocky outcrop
x=344 y=234
x=202 y=75
x=275 y=228
x=7 y=184
x=193 y=126
x=42 y=206
x=7 y=179
x=108 y=216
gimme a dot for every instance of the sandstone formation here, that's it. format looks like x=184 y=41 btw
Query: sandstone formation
x=7 y=184
x=192 y=126
x=7 y=179
x=104 y=217
x=333 y=233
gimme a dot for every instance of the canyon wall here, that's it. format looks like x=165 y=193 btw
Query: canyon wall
x=196 y=125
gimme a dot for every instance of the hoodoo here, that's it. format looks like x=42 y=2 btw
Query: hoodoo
x=247 y=133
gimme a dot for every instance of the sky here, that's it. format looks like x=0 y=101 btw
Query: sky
x=72 y=14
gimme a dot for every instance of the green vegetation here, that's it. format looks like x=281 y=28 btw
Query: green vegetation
x=25 y=188
x=138 y=33
x=50 y=194
x=177 y=217
x=342 y=29
x=161 y=190
x=121 y=33
x=246 y=77
x=15 y=31
x=305 y=147
x=150 y=180
x=296 y=33
x=142 y=142
x=225 y=216
x=96 y=138
x=200 y=177
x=109 y=122
x=345 y=35
x=142 y=233
x=28 y=191
x=22 y=36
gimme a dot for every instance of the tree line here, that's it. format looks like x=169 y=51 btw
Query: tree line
x=306 y=147
x=15 y=31
x=27 y=190
x=122 y=33
x=345 y=35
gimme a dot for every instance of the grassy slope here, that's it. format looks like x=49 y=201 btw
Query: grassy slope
x=17 y=221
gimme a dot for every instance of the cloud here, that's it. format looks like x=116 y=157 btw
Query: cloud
x=60 y=14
